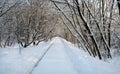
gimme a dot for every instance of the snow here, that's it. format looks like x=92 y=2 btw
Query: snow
x=11 y=62
x=86 y=64
x=56 y=61
x=62 y=58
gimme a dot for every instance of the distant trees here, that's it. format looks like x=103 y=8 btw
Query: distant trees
x=33 y=22
x=5 y=21
x=26 y=22
x=30 y=21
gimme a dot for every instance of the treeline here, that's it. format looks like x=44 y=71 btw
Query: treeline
x=91 y=24
x=25 y=22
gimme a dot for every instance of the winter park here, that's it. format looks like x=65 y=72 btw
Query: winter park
x=59 y=36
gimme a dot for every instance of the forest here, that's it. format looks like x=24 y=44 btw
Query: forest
x=93 y=25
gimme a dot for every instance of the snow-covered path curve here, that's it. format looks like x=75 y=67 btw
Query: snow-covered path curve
x=56 y=61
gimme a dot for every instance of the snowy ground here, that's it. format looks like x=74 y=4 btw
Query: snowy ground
x=62 y=58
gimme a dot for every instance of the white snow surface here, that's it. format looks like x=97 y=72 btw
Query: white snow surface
x=62 y=57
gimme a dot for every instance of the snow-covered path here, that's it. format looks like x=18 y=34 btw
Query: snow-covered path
x=61 y=57
x=56 y=61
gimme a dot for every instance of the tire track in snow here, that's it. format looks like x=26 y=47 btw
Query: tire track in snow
x=41 y=57
x=56 y=61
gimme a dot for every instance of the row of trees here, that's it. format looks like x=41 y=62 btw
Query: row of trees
x=25 y=22
x=93 y=23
